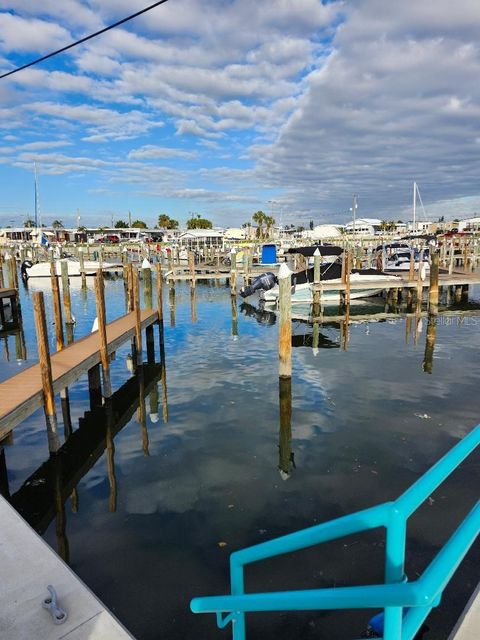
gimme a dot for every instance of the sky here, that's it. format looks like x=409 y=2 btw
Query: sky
x=225 y=107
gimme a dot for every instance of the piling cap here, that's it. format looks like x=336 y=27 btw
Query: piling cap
x=95 y=325
x=284 y=271
x=146 y=264
x=317 y=252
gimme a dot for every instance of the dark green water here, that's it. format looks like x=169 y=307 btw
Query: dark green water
x=366 y=423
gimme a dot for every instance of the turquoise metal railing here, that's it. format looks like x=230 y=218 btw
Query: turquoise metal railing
x=406 y=604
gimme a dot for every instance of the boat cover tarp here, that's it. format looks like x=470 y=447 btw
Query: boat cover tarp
x=325 y=250
x=331 y=271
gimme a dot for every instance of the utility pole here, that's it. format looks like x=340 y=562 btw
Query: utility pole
x=129 y=219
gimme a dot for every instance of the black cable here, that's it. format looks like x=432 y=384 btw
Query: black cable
x=92 y=35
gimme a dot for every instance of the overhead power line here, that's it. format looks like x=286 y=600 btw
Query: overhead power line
x=92 y=35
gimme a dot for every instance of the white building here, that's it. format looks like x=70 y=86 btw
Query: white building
x=235 y=233
x=469 y=224
x=200 y=238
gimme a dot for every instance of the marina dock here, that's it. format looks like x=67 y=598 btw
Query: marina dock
x=22 y=394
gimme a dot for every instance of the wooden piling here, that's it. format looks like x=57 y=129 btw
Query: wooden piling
x=451 y=257
x=67 y=303
x=285 y=322
x=148 y=298
x=171 y=302
x=46 y=372
x=138 y=326
x=13 y=271
x=348 y=270
x=82 y=267
x=433 y=290
x=57 y=307
x=316 y=277
x=102 y=333
x=191 y=268
x=233 y=272
x=95 y=387
x=411 y=271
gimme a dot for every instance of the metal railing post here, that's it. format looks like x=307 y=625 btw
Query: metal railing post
x=394 y=570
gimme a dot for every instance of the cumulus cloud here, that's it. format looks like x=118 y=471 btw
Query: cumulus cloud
x=299 y=100
x=102 y=124
x=152 y=152
x=22 y=34
x=397 y=100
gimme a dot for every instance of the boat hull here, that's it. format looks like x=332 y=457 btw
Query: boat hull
x=303 y=293
x=42 y=269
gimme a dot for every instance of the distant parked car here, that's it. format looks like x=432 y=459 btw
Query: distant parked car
x=109 y=239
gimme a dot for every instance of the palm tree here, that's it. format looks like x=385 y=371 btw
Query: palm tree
x=259 y=217
x=269 y=222
x=57 y=224
x=29 y=223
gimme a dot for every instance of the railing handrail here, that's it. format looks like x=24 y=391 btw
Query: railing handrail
x=420 y=595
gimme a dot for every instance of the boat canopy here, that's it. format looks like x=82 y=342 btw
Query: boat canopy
x=325 y=250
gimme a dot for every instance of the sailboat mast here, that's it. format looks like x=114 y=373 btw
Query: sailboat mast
x=414 y=207
x=36 y=194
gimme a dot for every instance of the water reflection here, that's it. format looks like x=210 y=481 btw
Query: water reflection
x=353 y=425
x=42 y=497
x=430 y=337
x=286 y=459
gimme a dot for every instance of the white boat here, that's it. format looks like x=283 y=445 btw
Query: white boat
x=400 y=261
x=42 y=269
x=302 y=293
x=302 y=284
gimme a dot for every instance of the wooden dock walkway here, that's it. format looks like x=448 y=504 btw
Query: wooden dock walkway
x=22 y=394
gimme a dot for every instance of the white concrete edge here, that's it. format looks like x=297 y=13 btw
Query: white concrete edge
x=472 y=608
x=4 y=504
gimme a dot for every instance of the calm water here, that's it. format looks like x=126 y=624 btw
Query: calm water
x=150 y=523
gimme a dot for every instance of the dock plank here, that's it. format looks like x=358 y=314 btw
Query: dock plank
x=22 y=394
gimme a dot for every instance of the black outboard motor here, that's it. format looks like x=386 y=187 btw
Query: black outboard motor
x=264 y=282
x=26 y=264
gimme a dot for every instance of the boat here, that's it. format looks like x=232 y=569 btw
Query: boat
x=400 y=261
x=302 y=290
x=42 y=269
x=328 y=252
